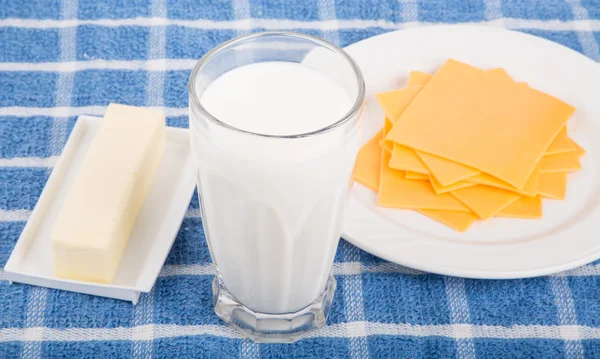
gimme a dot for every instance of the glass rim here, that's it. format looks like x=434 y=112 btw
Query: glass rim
x=356 y=107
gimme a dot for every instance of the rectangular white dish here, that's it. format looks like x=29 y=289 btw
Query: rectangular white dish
x=151 y=239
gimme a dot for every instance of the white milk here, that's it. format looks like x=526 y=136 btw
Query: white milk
x=272 y=207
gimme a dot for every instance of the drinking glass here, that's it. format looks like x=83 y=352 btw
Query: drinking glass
x=272 y=205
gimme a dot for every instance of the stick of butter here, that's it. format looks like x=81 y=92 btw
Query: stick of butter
x=101 y=209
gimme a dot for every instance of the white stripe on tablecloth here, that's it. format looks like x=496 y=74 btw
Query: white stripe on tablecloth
x=36 y=308
x=19 y=215
x=343 y=330
x=354 y=268
x=586 y=37
x=153 y=64
x=327 y=13
x=28 y=162
x=157 y=49
x=354 y=303
x=493 y=10
x=241 y=15
x=279 y=24
x=583 y=271
x=350 y=268
x=459 y=314
x=567 y=317
x=66 y=79
x=37 y=297
x=409 y=10
x=64 y=111
x=249 y=350
x=193 y=213
x=143 y=314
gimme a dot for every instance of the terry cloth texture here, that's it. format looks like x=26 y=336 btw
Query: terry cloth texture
x=61 y=59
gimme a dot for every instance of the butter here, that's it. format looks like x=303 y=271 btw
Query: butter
x=96 y=220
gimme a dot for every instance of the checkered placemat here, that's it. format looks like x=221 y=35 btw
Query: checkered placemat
x=62 y=59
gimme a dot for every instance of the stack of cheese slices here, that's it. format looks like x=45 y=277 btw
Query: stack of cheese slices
x=467 y=144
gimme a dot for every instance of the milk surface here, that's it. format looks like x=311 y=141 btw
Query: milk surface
x=272 y=207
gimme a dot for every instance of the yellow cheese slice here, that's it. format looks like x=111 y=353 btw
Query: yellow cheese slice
x=460 y=221
x=485 y=201
x=530 y=189
x=561 y=144
x=501 y=74
x=562 y=162
x=439 y=189
x=387 y=145
x=553 y=185
x=398 y=192
x=416 y=176
x=579 y=150
x=395 y=102
x=403 y=158
x=368 y=165
x=418 y=78
x=524 y=207
x=446 y=172
x=449 y=172
x=483 y=122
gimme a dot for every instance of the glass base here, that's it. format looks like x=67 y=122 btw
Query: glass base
x=272 y=328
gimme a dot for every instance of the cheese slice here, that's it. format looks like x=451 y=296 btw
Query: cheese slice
x=562 y=162
x=418 y=78
x=524 y=207
x=485 y=201
x=530 y=189
x=395 y=102
x=387 y=145
x=439 y=189
x=460 y=221
x=94 y=224
x=446 y=120
x=579 y=150
x=553 y=185
x=403 y=158
x=368 y=163
x=446 y=172
x=416 y=176
x=561 y=144
x=398 y=192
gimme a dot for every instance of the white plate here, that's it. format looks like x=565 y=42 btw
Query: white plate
x=155 y=230
x=568 y=234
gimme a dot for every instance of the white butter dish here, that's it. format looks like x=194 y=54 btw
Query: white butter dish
x=151 y=239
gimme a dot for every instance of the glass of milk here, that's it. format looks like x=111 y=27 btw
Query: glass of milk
x=275 y=121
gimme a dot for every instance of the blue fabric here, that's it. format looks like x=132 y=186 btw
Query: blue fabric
x=384 y=311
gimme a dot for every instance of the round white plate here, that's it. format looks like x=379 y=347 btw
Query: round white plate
x=567 y=236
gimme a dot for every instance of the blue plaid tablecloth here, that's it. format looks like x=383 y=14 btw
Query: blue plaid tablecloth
x=61 y=59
